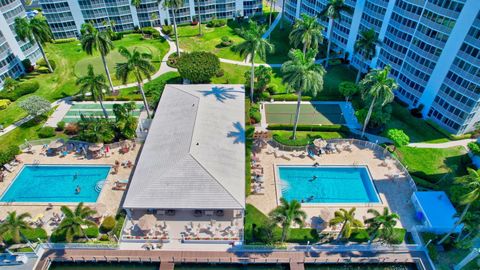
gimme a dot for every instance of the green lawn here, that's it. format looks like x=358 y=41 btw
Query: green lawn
x=432 y=163
x=417 y=129
x=304 y=137
x=61 y=83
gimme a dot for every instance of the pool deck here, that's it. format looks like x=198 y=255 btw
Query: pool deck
x=108 y=197
x=394 y=194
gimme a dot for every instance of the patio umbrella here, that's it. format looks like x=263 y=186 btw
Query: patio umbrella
x=95 y=147
x=319 y=143
x=147 y=222
x=56 y=144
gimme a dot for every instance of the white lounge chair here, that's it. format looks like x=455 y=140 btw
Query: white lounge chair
x=8 y=167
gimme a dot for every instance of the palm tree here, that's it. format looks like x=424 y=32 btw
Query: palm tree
x=306 y=31
x=153 y=17
x=174 y=5
x=272 y=8
x=253 y=45
x=472 y=182
x=381 y=224
x=95 y=85
x=366 y=45
x=348 y=221
x=303 y=75
x=199 y=21
x=13 y=225
x=377 y=86
x=287 y=213
x=139 y=65
x=92 y=40
x=283 y=13
x=36 y=30
x=333 y=12
x=73 y=221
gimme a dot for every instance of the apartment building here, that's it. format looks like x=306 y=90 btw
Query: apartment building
x=12 y=49
x=65 y=17
x=432 y=46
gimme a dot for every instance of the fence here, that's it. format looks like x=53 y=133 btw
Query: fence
x=56 y=246
x=114 y=145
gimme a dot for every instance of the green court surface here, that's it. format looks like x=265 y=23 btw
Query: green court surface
x=310 y=114
x=93 y=109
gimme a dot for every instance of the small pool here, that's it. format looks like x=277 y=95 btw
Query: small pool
x=327 y=184
x=56 y=184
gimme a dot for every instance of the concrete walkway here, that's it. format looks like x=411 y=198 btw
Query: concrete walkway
x=463 y=143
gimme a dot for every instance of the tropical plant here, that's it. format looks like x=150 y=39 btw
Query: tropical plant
x=333 y=12
x=95 y=130
x=9 y=84
x=139 y=65
x=94 y=84
x=153 y=17
x=286 y=214
x=198 y=66
x=13 y=225
x=253 y=45
x=381 y=225
x=303 y=75
x=306 y=31
x=398 y=137
x=72 y=223
x=125 y=122
x=35 y=29
x=377 y=86
x=348 y=221
x=366 y=46
x=263 y=76
x=174 y=5
x=472 y=182
x=94 y=40
x=35 y=105
x=347 y=89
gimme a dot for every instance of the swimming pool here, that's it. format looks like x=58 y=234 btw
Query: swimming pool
x=56 y=184
x=326 y=184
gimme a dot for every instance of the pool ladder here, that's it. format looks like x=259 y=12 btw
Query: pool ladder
x=99 y=186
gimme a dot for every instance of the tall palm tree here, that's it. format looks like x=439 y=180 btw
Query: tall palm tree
x=379 y=87
x=303 y=75
x=287 y=213
x=381 y=225
x=174 y=5
x=272 y=8
x=472 y=182
x=199 y=20
x=139 y=65
x=73 y=221
x=333 y=12
x=92 y=40
x=306 y=31
x=366 y=45
x=95 y=85
x=348 y=221
x=35 y=29
x=283 y=14
x=253 y=45
x=13 y=225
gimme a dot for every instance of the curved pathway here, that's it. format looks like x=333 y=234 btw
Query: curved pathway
x=463 y=143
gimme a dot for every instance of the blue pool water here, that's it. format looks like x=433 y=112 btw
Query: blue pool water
x=56 y=183
x=327 y=184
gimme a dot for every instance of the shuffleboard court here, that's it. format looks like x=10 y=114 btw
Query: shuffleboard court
x=94 y=109
x=310 y=114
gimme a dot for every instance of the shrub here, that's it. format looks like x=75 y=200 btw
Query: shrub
x=91 y=232
x=46 y=132
x=29 y=234
x=27 y=65
x=108 y=224
x=289 y=97
x=474 y=147
x=22 y=89
x=120 y=217
x=35 y=105
x=417 y=112
x=71 y=129
x=151 y=31
x=226 y=41
x=104 y=237
x=64 y=40
x=8 y=154
x=116 y=36
x=220 y=73
x=167 y=29
x=4 y=103
x=42 y=63
x=398 y=137
x=217 y=23
x=254 y=114
x=198 y=67
x=333 y=128
x=172 y=60
x=272 y=89
x=60 y=126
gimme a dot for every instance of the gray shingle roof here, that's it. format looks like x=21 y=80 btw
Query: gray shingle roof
x=194 y=154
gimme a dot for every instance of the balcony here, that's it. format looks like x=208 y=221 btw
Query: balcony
x=435 y=26
x=442 y=11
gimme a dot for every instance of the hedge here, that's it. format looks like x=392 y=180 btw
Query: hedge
x=333 y=128
x=448 y=134
x=289 y=97
x=30 y=234
x=46 y=132
x=167 y=29
x=474 y=147
x=150 y=31
x=4 y=103
x=361 y=236
x=22 y=89
x=302 y=236
x=42 y=63
x=198 y=67
x=425 y=183
x=64 y=40
x=8 y=154
x=108 y=224
x=217 y=23
x=290 y=142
